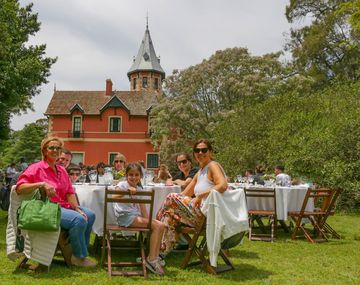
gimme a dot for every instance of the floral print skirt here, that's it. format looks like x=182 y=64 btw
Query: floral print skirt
x=176 y=211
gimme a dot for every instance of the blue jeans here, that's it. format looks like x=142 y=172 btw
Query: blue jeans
x=79 y=229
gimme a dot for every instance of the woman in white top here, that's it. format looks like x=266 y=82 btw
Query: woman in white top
x=183 y=208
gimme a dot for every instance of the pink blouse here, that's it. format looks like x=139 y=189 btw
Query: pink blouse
x=42 y=172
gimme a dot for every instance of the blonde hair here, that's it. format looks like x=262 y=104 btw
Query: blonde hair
x=120 y=156
x=46 y=141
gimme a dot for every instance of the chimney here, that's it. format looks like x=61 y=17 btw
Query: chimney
x=108 y=87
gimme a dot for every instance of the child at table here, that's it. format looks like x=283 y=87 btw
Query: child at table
x=135 y=215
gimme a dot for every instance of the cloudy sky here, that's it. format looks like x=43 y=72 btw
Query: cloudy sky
x=97 y=39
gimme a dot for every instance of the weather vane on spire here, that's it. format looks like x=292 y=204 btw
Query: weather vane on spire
x=147 y=20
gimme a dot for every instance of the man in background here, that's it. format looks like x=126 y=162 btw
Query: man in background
x=65 y=158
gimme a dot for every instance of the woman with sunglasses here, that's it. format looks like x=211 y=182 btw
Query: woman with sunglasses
x=183 y=208
x=186 y=171
x=119 y=166
x=53 y=179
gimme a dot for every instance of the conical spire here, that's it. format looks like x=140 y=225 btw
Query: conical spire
x=146 y=59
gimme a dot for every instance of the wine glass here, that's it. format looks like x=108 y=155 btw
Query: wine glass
x=239 y=178
x=92 y=175
x=251 y=179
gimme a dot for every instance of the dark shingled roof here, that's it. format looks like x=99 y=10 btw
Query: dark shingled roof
x=138 y=102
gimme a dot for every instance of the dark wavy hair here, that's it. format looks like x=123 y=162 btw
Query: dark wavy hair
x=133 y=165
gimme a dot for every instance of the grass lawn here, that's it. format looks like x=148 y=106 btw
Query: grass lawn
x=282 y=262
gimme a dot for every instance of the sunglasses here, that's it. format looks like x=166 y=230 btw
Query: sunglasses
x=203 y=150
x=57 y=148
x=119 y=161
x=182 y=162
x=74 y=174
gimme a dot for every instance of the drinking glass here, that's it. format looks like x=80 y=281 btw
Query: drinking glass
x=92 y=176
x=108 y=176
x=251 y=179
x=239 y=178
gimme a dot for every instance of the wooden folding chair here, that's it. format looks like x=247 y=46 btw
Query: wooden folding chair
x=110 y=242
x=323 y=198
x=330 y=212
x=192 y=235
x=256 y=214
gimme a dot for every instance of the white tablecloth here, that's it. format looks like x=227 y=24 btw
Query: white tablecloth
x=287 y=199
x=92 y=197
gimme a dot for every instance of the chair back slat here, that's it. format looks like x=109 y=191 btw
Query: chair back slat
x=319 y=195
x=125 y=197
x=268 y=193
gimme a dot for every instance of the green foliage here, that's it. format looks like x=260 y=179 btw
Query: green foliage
x=313 y=135
x=24 y=143
x=200 y=95
x=23 y=67
x=329 y=47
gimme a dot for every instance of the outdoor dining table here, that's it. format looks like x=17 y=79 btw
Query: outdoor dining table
x=287 y=199
x=92 y=196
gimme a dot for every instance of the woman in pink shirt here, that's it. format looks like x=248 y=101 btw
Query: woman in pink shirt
x=54 y=180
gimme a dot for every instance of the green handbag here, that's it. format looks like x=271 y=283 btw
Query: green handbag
x=38 y=215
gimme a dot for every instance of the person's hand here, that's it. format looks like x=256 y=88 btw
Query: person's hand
x=81 y=212
x=197 y=202
x=49 y=189
x=132 y=190
x=169 y=182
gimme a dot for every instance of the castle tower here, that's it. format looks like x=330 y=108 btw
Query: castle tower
x=146 y=72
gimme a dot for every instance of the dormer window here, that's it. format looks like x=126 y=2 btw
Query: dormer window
x=145 y=82
x=146 y=56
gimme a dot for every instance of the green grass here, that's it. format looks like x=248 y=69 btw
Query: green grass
x=282 y=262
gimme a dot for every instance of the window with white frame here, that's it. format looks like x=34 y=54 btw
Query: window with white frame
x=114 y=124
x=152 y=160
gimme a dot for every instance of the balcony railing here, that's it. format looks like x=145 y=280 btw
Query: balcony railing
x=75 y=134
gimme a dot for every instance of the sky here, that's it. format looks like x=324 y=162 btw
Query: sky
x=97 y=39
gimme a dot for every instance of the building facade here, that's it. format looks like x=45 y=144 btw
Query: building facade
x=96 y=125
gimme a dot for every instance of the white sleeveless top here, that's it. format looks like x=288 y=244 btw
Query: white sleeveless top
x=203 y=183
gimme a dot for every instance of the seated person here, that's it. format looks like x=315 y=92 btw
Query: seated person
x=182 y=208
x=259 y=173
x=249 y=174
x=74 y=172
x=100 y=170
x=163 y=174
x=119 y=165
x=135 y=215
x=282 y=179
x=186 y=171
x=53 y=179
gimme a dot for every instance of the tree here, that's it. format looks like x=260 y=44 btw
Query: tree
x=25 y=143
x=23 y=67
x=200 y=95
x=315 y=135
x=329 y=47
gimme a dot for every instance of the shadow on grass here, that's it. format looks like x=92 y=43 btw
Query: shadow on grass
x=243 y=254
x=242 y=272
